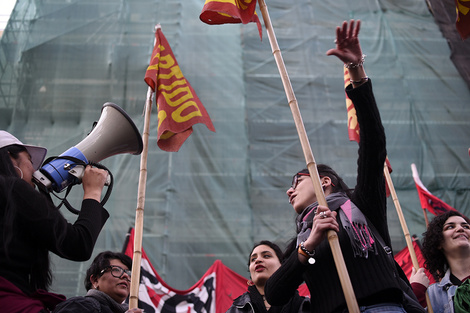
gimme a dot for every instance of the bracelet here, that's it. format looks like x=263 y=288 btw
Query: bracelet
x=309 y=255
x=362 y=80
x=355 y=65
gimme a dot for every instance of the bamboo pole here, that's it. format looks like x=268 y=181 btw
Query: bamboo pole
x=311 y=164
x=406 y=232
x=139 y=214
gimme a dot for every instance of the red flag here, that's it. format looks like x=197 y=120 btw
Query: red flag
x=353 y=124
x=217 y=12
x=403 y=259
x=462 y=22
x=178 y=105
x=428 y=201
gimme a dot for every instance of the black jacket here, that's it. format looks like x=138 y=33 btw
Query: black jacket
x=39 y=228
x=243 y=304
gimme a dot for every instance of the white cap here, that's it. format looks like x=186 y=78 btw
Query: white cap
x=37 y=153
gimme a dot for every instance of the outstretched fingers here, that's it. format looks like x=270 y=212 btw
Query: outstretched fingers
x=357 y=28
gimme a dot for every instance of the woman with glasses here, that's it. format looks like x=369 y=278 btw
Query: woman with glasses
x=350 y=213
x=107 y=283
x=264 y=259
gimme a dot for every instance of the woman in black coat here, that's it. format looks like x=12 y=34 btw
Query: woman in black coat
x=31 y=227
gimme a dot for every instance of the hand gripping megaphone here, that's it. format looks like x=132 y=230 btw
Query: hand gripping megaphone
x=114 y=133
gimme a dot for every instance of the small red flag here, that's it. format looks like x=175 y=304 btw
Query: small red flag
x=428 y=201
x=462 y=22
x=216 y=12
x=403 y=259
x=178 y=105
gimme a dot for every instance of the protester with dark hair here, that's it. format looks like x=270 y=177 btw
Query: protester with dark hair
x=264 y=259
x=107 y=283
x=31 y=227
x=358 y=216
x=446 y=248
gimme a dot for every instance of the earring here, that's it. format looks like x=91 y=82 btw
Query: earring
x=249 y=282
x=19 y=169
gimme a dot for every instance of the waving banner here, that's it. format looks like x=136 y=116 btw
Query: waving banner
x=462 y=22
x=230 y=12
x=213 y=293
x=178 y=105
x=429 y=201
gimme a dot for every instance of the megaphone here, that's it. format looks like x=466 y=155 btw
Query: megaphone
x=114 y=133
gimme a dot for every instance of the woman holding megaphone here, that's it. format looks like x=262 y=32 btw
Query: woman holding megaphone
x=31 y=227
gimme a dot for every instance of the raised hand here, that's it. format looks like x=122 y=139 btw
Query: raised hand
x=348 y=48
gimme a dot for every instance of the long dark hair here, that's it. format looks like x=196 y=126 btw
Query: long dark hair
x=436 y=261
x=337 y=185
x=101 y=262
x=40 y=273
x=6 y=153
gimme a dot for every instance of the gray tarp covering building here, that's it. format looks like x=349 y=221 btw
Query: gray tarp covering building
x=62 y=60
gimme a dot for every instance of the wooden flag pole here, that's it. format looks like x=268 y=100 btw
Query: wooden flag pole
x=426 y=218
x=406 y=232
x=311 y=165
x=139 y=214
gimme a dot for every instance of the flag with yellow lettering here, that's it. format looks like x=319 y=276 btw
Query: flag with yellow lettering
x=463 y=18
x=178 y=105
x=217 y=12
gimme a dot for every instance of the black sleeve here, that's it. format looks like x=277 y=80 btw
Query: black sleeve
x=48 y=228
x=283 y=284
x=369 y=194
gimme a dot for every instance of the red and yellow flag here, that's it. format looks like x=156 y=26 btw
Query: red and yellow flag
x=217 y=12
x=463 y=18
x=178 y=105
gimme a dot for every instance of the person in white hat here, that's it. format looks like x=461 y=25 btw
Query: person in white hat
x=31 y=227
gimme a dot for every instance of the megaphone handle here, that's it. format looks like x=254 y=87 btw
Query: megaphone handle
x=79 y=170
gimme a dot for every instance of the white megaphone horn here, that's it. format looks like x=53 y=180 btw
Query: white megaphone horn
x=115 y=133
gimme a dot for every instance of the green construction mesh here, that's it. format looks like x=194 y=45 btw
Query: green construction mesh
x=62 y=60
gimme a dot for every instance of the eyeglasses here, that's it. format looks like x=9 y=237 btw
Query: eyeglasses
x=116 y=271
x=295 y=179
